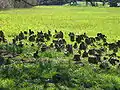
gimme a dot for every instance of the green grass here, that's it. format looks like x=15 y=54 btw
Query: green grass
x=67 y=19
x=78 y=19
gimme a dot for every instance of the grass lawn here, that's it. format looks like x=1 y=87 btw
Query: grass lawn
x=78 y=19
x=75 y=19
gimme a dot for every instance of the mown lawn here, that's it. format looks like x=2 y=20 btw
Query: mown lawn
x=53 y=70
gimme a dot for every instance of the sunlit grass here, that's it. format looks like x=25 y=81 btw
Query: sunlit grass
x=77 y=19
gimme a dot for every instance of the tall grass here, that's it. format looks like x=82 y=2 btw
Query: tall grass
x=67 y=19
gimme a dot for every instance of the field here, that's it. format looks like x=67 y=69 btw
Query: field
x=77 y=19
x=35 y=73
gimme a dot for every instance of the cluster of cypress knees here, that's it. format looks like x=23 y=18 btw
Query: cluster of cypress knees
x=97 y=50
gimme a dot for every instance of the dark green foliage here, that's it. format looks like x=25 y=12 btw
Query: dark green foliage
x=35 y=64
x=53 y=2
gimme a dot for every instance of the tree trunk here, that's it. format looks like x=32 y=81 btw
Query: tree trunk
x=17 y=3
x=4 y=4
